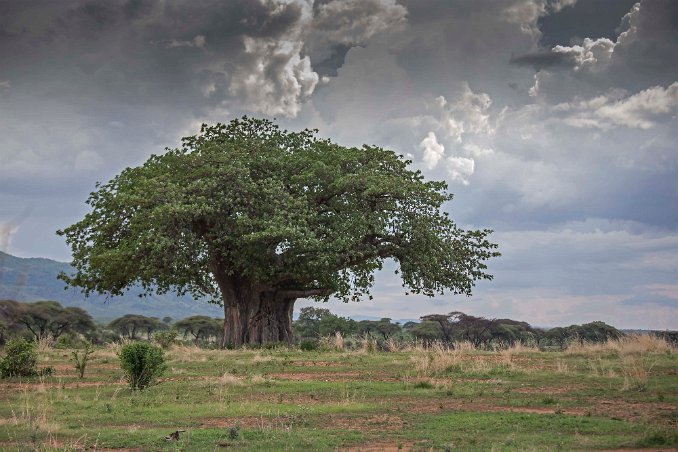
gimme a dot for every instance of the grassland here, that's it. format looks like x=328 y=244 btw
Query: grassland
x=621 y=395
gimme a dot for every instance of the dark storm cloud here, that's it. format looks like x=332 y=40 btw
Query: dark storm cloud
x=544 y=59
x=648 y=50
x=331 y=63
x=86 y=51
x=643 y=54
x=552 y=125
x=584 y=19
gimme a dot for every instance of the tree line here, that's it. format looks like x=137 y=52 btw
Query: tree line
x=453 y=328
x=48 y=319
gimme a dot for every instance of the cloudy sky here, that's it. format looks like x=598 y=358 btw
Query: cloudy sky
x=554 y=123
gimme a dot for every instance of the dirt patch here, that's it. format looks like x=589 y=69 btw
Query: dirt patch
x=656 y=412
x=380 y=447
x=316 y=376
x=318 y=364
x=545 y=390
x=64 y=445
x=375 y=423
x=39 y=386
x=240 y=422
x=480 y=406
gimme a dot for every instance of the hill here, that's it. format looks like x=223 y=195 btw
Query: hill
x=34 y=279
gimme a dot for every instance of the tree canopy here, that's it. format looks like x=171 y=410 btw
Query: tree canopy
x=253 y=218
x=130 y=324
x=49 y=318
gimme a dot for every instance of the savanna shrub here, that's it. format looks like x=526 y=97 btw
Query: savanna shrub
x=309 y=345
x=69 y=340
x=142 y=363
x=21 y=359
x=165 y=338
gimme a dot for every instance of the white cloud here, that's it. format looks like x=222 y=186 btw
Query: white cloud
x=525 y=13
x=478 y=151
x=276 y=75
x=433 y=151
x=591 y=54
x=275 y=79
x=639 y=111
x=643 y=51
x=464 y=118
x=460 y=169
x=7 y=230
x=5 y=84
x=466 y=114
x=198 y=41
x=351 y=23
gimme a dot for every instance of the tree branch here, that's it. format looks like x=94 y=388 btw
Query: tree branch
x=303 y=293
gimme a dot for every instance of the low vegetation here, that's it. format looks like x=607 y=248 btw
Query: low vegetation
x=621 y=393
x=20 y=359
x=450 y=381
x=142 y=363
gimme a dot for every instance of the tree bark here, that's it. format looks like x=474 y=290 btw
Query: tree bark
x=255 y=315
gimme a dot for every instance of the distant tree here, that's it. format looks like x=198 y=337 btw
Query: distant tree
x=594 y=332
x=445 y=322
x=200 y=327
x=557 y=336
x=409 y=325
x=49 y=318
x=457 y=326
x=254 y=218
x=318 y=322
x=382 y=328
x=589 y=332
x=167 y=320
x=510 y=332
x=308 y=323
x=129 y=325
x=10 y=313
x=427 y=331
x=80 y=322
x=476 y=330
x=152 y=325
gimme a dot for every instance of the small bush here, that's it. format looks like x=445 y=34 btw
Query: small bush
x=423 y=385
x=658 y=438
x=165 y=339
x=69 y=340
x=142 y=363
x=309 y=346
x=81 y=360
x=21 y=359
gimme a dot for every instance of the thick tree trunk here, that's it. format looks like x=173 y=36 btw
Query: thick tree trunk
x=254 y=315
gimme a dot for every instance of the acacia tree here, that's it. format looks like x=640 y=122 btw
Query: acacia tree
x=130 y=324
x=44 y=318
x=200 y=326
x=254 y=218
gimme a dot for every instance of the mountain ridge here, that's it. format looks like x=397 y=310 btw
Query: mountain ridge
x=29 y=279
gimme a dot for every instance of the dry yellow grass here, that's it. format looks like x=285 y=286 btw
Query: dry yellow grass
x=193 y=353
x=332 y=342
x=636 y=370
x=436 y=359
x=518 y=347
x=633 y=343
x=228 y=379
x=259 y=358
x=338 y=341
x=392 y=345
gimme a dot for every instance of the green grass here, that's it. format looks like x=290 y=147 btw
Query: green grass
x=286 y=399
